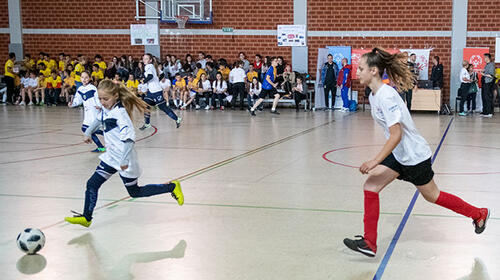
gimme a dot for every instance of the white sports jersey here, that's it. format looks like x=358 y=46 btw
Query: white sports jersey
x=153 y=84
x=118 y=127
x=25 y=82
x=165 y=83
x=142 y=88
x=87 y=95
x=389 y=109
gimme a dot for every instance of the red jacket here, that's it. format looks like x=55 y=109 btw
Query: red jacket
x=345 y=73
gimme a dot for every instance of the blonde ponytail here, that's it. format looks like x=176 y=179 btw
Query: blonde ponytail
x=129 y=100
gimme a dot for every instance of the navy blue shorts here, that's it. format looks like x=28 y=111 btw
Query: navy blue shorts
x=154 y=98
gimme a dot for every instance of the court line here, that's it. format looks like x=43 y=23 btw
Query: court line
x=217 y=164
x=28 y=134
x=70 y=154
x=394 y=241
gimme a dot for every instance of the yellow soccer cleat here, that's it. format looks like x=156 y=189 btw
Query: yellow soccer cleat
x=78 y=220
x=177 y=192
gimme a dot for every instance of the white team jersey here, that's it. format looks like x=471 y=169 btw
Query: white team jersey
x=118 y=127
x=153 y=84
x=389 y=109
x=87 y=95
x=142 y=88
x=165 y=83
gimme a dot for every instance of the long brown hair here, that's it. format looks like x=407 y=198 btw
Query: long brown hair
x=395 y=66
x=129 y=100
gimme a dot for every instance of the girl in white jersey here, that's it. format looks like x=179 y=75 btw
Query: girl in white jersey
x=118 y=105
x=405 y=155
x=154 y=96
x=87 y=95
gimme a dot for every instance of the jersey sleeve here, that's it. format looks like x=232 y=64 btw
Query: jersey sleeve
x=77 y=100
x=391 y=110
x=126 y=127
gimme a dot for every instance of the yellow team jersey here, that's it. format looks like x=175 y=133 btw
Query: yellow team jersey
x=70 y=81
x=198 y=75
x=497 y=74
x=180 y=83
x=251 y=75
x=30 y=64
x=41 y=61
x=102 y=65
x=62 y=65
x=46 y=73
x=99 y=75
x=72 y=74
x=9 y=73
x=42 y=82
x=78 y=68
x=132 y=84
x=54 y=83
x=52 y=64
x=225 y=73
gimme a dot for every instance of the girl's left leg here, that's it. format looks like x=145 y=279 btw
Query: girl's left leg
x=135 y=190
x=163 y=106
x=431 y=193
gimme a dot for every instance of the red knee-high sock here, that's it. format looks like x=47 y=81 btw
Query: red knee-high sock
x=456 y=204
x=372 y=211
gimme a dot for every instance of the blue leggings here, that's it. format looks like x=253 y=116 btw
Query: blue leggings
x=94 y=136
x=344 y=92
x=156 y=98
x=103 y=173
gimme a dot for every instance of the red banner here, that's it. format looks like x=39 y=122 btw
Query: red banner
x=475 y=57
x=356 y=56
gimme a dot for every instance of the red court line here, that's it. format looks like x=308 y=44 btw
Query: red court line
x=70 y=154
x=437 y=173
x=34 y=133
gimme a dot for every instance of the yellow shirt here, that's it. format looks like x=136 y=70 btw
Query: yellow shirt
x=78 y=68
x=70 y=81
x=62 y=65
x=99 y=75
x=41 y=61
x=29 y=64
x=54 y=83
x=180 y=83
x=132 y=84
x=225 y=73
x=72 y=74
x=52 y=64
x=497 y=74
x=46 y=72
x=102 y=65
x=9 y=64
x=252 y=74
x=198 y=75
x=42 y=82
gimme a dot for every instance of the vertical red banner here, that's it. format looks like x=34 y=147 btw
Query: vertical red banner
x=356 y=56
x=475 y=57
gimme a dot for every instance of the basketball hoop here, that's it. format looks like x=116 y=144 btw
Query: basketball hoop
x=181 y=21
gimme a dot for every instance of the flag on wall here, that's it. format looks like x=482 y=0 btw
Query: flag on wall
x=340 y=52
x=475 y=57
x=356 y=56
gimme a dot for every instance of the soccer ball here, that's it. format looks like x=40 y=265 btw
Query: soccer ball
x=31 y=240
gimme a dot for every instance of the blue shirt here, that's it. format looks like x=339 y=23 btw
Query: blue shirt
x=265 y=84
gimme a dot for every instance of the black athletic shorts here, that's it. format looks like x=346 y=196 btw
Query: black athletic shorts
x=418 y=175
x=265 y=92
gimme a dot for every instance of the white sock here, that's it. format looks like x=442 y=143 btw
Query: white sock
x=175 y=102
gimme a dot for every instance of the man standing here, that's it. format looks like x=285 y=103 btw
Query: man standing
x=488 y=82
x=437 y=73
x=412 y=64
x=329 y=80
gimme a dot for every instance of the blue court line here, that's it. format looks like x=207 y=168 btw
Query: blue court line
x=388 y=253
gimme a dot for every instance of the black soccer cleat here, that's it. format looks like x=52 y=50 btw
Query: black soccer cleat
x=360 y=245
x=485 y=215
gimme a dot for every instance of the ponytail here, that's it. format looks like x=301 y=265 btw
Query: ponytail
x=395 y=66
x=129 y=100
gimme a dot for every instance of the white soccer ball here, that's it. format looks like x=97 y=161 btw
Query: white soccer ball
x=31 y=240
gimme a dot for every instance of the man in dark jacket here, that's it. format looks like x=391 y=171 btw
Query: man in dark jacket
x=329 y=74
x=437 y=73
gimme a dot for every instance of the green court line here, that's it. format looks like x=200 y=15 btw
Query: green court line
x=242 y=206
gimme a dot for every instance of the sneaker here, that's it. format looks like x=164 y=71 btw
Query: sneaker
x=488 y=116
x=207 y=107
x=144 y=126
x=360 y=245
x=22 y=103
x=275 y=112
x=41 y=103
x=101 y=150
x=96 y=150
x=252 y=113
x=178 y=122
x=197 y=107
x=78 y=219
x=30 y=104
x=485 y=215
x=177 y=192
x=462 y=114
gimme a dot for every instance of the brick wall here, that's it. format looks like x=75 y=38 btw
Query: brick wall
x=4 y=14
x=483 y=15
x=4 y=50
x=379 y=15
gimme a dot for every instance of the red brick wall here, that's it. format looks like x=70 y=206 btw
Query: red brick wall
x=379 y=15
x=483 y=15
x=4 y=14
x=441 y=47
x=4 y=50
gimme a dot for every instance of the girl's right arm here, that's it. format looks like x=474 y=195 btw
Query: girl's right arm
x=93 y=127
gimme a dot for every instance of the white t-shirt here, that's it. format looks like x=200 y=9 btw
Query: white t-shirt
x=256 y=90
x=464 y=74
x=237 y=75
x=33 y=82
x=206 y=85
x=165 y=83
x=118 y=128
x=26 y=82
x=389 y=109
x=87 y=95
x=220 y=87
x=153 y=84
